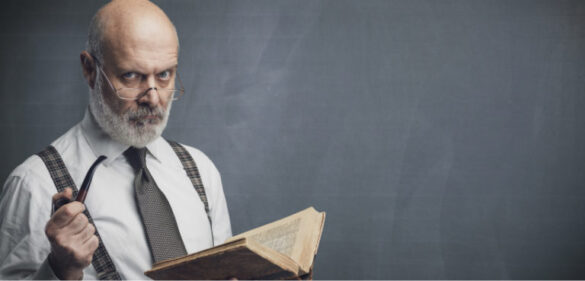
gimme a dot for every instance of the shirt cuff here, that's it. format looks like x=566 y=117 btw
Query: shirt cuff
x=45 y=272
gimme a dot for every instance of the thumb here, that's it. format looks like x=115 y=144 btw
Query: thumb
x=67 y=193
x=62 y=198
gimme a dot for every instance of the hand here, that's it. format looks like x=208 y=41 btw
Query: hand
x=72 y=237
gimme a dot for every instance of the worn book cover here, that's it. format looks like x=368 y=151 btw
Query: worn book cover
x=279 y=250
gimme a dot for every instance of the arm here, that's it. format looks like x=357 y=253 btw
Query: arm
x=220 y=217
x=214 y=190
x=23 y=245
x=25 y=209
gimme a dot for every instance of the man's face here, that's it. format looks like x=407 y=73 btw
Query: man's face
x=140 y=63
x=145 y=58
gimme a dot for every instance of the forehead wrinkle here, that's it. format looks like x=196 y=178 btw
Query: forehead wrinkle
x=144 y=61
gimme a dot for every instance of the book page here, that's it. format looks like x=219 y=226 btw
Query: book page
x=281 y=238
x=296 y=236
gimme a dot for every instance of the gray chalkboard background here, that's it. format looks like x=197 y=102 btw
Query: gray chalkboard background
x=444 y=139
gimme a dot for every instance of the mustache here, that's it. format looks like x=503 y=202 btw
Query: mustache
x=144 y=111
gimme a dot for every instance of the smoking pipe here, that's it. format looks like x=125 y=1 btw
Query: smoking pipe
x=84 y=186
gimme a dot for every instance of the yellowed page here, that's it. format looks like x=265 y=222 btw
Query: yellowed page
x=296 y=236
x=281 y=238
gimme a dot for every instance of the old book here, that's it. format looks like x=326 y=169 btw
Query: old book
x=278 y=250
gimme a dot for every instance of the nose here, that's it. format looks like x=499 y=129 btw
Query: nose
x=152 y=95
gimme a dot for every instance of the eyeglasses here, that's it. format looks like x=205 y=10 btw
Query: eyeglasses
x=138 y=93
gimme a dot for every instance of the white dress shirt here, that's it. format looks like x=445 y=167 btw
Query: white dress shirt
x=25 y=204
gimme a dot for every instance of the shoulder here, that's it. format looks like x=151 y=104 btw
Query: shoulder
x=30 y=184
x=33 y=169
x=202 y=161
x=32 y=176
x=208 y=172
x=68 y=145
x=200 y=158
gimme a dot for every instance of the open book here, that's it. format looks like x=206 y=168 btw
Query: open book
x=278 y=250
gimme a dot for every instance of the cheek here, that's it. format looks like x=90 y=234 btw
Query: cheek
x=125 y=106
x=164 y=103
x=117 y=105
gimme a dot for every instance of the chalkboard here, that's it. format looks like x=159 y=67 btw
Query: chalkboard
x=444 y=139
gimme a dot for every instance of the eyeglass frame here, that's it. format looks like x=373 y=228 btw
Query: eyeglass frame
x=181 y=91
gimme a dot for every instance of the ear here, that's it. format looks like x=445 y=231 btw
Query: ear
x=88 y=65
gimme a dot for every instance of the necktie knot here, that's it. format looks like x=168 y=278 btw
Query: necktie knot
x=136 y=157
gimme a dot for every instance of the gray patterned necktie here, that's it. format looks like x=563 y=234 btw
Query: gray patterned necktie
x=157 y=216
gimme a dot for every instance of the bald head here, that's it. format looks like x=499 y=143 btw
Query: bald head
x=136 y=47
x=129 y=22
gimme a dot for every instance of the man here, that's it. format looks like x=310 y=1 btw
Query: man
x=131 y=68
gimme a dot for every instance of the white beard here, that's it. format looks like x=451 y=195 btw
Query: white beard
x=129 y=127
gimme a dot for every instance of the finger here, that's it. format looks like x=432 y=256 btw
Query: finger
x=86 y=250
x=77 y=225
x=85 y=234
x=66 y=214
x=91 y=244
x=66 y=193
x=62 y=198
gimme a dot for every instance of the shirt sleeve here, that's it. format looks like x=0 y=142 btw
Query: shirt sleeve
x=218 y=209
x=45 y=272
x=219 y=213
x=25 y=205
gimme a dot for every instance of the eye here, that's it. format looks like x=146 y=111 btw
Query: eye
x=165 y=75
x=129 y=75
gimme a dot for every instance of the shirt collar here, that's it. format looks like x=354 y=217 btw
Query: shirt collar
x=102 y=144
x=156 y=148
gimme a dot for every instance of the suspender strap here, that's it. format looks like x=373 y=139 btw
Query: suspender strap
x=193 y=174
x=106 y=270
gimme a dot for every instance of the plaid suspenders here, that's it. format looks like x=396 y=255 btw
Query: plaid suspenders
x=106 y=270
x=193 y=174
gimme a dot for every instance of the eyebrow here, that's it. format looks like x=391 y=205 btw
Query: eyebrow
x=174 y=67
x=123 y=70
